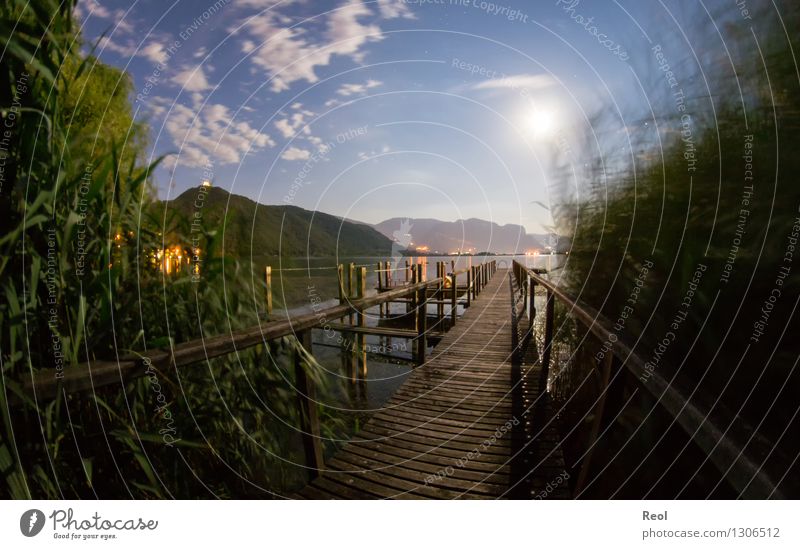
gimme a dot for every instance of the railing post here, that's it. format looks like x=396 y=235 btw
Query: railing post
x=361 y=339
x=597 y=421
x=268 y=280
x=548 y=337
x=453 y=298
x=469 y=286
x=307 y=402
x=340 y=276
x=422 y=320
x=379 y=272
x=350 y=287
x=440 y=295
x=532 y=301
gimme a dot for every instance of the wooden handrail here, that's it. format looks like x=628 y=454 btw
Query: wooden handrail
x=730 y=444
x=45 y=385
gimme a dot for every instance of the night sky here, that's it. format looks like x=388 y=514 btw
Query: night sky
x=369 y=110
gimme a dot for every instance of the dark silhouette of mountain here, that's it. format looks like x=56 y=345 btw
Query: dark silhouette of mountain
x=467 y=235
x=278 y=230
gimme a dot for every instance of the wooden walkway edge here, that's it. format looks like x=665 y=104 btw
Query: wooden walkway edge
x=459 y=427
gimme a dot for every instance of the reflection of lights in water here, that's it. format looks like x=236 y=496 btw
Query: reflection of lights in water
x=172 y=260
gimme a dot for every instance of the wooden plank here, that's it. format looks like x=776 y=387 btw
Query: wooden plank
x=451 y=412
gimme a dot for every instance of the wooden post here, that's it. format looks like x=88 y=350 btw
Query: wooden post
x=453 y=298
x=440 y=296
x=548 y=336
x=340 y=276
x=379 y=272
x=469 y=283
x=350 y=287
x=407 y=277
x=597 y=421
x=474 y=285
x=422 y=320
x=268 y=279
x=362 y=293
x=360 y=350
x=524 y=287
x=309 y=414
x=532 y=301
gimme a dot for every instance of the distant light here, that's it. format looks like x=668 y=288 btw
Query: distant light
x=206 y=183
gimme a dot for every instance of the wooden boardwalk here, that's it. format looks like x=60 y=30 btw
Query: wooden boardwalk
x=458 y=427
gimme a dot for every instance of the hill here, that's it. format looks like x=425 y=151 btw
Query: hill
x=260 y=229
x=476 y=235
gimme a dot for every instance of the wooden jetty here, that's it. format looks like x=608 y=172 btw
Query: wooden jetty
x=473 y=418
x=453 y=430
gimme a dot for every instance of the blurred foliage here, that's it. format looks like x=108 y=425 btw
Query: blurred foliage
x=657 y=201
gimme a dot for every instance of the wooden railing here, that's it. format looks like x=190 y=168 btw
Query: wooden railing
x=728 y=442
x=45 y=385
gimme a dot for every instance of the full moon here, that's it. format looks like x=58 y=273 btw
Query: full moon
x=542 y=122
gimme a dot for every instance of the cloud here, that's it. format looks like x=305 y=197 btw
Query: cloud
x=191 y=79
x=154 y=52
x=208 y=133
x=391 y=9
x=295 y=153
x=290 y=54
x=106 y=43
x=347 y=90
x=517 y=81
x=294 y=123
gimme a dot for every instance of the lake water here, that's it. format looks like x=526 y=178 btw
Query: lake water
x=362 y=383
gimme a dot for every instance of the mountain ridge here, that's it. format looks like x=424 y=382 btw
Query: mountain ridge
x=472 y=235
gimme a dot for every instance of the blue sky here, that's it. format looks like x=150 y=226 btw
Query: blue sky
x=374 y=109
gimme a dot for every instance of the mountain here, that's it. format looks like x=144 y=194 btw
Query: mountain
x=475 y=235
x=284 y=230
